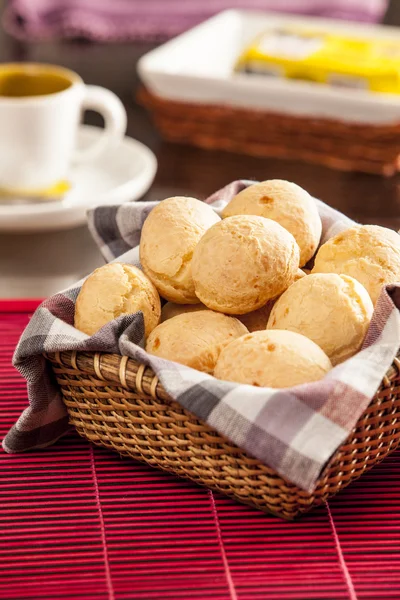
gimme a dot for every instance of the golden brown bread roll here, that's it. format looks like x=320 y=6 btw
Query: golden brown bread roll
x=369 y=253
x=114 y=290
x=287 y=204
x=275 y=359
x=169 y=235
x=242 y=262
x=194 y=339
x=332 y=310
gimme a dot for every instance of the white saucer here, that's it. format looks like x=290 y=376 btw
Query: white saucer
x=123 y=174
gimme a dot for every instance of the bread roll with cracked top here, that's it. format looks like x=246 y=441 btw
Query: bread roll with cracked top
x=113 y=290
x=332 y=310
x=275 y=359
x=242 y=262
x=369 y=253
x=287 y=204
x=169 y=236
x=194 y=339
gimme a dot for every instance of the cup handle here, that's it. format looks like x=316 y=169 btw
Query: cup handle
x=112 y=110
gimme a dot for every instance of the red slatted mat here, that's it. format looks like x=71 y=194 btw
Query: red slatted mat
x=79 y=522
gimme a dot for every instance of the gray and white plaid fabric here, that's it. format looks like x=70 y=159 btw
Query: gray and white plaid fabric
x=295 y=431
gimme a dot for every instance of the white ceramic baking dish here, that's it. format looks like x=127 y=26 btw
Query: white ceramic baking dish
x=197 y=67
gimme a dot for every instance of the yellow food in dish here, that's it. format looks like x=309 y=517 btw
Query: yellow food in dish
x=325 y=57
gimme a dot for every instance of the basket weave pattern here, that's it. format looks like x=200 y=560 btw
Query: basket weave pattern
x=338 y=145
x=117 y=403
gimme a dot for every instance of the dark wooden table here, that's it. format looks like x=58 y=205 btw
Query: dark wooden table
x=36 y=265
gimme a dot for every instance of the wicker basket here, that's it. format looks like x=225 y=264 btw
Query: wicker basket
x=339 y=145
x=117 y=403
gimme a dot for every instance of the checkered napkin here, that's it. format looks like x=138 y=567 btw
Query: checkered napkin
x=295 y=431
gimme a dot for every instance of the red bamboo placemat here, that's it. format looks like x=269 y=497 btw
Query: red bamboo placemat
x=77 y=521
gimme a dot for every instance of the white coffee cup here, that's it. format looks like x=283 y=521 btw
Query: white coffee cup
x=40 y=110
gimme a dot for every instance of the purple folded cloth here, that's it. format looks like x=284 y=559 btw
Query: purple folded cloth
x=114 y=20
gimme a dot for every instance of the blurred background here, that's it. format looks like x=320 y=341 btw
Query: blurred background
x=102 y=40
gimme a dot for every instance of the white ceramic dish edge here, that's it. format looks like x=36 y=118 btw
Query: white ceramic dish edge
x=197 y=67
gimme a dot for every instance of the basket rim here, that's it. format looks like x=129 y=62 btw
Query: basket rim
x=133 y=375
x=121 y=369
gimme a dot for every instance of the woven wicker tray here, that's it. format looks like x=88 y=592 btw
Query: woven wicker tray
x=115 y=402
x=339 y=145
